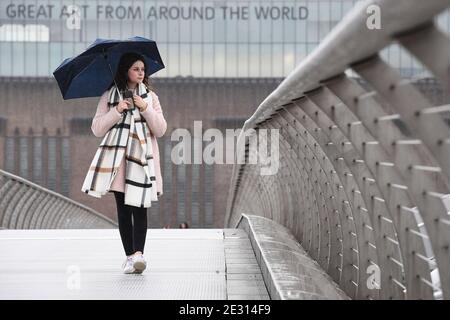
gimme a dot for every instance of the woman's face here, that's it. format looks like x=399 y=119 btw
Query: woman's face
x=136 y=72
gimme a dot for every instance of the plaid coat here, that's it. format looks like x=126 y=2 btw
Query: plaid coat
x=107 y=116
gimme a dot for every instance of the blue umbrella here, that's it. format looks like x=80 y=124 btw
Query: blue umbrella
x=91 y=72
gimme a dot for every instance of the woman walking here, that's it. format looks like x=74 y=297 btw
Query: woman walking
x=127 y=160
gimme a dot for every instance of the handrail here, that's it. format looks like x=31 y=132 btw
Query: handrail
x=24 y=204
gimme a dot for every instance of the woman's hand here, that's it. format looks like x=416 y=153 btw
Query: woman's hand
x=140 y=103
x=123 y=105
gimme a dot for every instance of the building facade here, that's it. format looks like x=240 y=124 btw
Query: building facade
x=222 y=59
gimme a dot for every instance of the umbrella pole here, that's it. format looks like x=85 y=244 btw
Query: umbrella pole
x=112 y=74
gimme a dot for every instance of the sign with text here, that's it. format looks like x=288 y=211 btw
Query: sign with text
x=42 y=10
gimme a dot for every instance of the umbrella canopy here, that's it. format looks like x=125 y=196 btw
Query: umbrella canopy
x=91 y=72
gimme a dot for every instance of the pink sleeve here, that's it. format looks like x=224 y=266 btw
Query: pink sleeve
x=154 y=117
x=104 y=119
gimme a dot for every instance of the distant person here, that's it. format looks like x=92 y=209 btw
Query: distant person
x=184 y=225
x=167 y=226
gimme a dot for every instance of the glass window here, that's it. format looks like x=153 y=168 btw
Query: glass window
x=300 y=52
x=265 y=27
x=301 y=36
x=219 y=31
x=208 y=60
x=91 y=32
x=219 y=60
x=288 y=59
x=6 y=59
x=208 y=31
x=185 y=30
x=443 y=20
x=196 y=31
x=161 y=30
x=324 y=29
x=277 y=60
x=42 y=60
x=277 y=21
x=113 y=28
x=392 y=54
x=196 y=60
x=301 y=30
x=56 y=27
x=310 y=47
x=336 y=10
x=231 y=68
x=243 y=35
x=173 y=54
x=126 y=30
x=255 y=31
x=162 y=48
x=254 y=64
x=231 y=30
x=18 y=49
x=347 y=5
x=68 y=50
x=150 y=30
x=55 y=55
x=313 y=10
x=173 y=33
x=79 y=48
x=31 y=61
x=324 y=10
x=289 y=30
x=266 y=65
x=243 y=61
x=312 y=32
x=185 y=59
x=68 y=35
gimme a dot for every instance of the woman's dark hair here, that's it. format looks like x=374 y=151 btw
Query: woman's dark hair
x=125 y=63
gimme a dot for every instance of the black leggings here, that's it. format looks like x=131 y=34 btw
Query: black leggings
x=132 y=233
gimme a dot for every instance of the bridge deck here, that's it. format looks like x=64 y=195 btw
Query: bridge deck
x=86 y=264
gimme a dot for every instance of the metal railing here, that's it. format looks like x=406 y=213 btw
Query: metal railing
x=364 y=172
x=26 y=205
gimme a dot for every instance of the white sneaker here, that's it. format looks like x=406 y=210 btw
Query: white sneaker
x=128 y=265
x=139 y=264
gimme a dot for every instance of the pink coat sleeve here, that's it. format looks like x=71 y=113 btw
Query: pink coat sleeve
x=154 y=117
x=104 y=119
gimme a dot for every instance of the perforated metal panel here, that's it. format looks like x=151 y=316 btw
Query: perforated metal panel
x=86 y=264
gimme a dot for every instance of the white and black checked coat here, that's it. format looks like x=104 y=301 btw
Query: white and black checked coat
x=130 y=137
